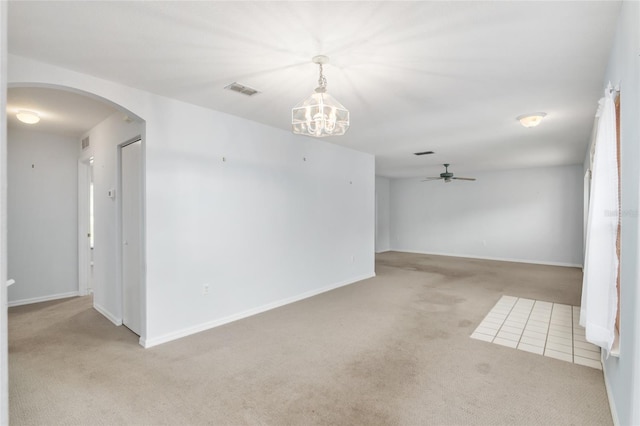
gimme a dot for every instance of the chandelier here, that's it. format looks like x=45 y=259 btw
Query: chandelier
x=320 y=114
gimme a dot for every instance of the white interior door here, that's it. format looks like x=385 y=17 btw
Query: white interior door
x=131 y=187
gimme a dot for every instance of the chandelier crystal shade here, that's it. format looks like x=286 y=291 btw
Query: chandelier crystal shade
x=320 y=114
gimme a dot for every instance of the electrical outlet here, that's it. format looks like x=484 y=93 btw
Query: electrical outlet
x=353 y=258
x=205 y=289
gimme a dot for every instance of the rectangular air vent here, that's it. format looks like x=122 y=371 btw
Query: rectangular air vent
x=240 y=88
x=423 y=153
x=85 y=143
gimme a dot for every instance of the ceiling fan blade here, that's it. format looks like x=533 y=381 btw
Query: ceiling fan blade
x=461 y=178
x=428 y=179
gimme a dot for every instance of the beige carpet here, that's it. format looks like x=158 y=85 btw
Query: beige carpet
x=392 y=350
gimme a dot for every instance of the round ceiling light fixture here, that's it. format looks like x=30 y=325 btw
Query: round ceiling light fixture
x=531 y=120
x=28 y=117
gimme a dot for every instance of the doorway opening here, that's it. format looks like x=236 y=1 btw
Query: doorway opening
x=86 y=225
x=88 y=249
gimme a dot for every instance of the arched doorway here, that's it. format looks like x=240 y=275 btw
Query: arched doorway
x=93 y=131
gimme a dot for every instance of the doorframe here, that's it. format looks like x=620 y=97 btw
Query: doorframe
x=84 y=255
x=120 y=240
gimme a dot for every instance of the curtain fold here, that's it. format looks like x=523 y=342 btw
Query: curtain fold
x=599 y=295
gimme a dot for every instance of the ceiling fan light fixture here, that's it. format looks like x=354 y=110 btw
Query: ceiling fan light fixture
x=28 y=117
x=531 y=120
x=320 y=114
x=447 y=176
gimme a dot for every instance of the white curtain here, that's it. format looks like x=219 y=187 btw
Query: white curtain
x=599 y=295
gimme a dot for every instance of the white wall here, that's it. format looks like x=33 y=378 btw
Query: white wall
x=262 y=228
x=4 y=354
x=529 y=215
x=383 y=241
x=42 y=216
x=104 y=140
x=623 y=374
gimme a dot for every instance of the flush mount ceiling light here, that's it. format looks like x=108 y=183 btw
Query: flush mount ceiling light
x=28 y=117
x=531 y=120
x=320 y=114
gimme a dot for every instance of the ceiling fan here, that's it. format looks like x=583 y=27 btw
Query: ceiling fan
x=447 y=176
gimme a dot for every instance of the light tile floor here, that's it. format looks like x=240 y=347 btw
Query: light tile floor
x=543 y=328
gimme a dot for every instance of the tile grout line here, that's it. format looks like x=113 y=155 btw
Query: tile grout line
x=553 y=305
x=573 y=340
x=526 y=322
x=505 y=318
x=549 y=328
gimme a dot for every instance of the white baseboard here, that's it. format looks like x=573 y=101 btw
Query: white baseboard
x=612 y=402
x=147 y=343
x=43 y=298
x=107 y=314
x=501 y=259
x=383 y=250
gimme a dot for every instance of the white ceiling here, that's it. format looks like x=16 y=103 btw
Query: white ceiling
x=61 y=112
x=444 y=76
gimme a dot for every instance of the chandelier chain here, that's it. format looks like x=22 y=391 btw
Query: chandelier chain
x=322 y=81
